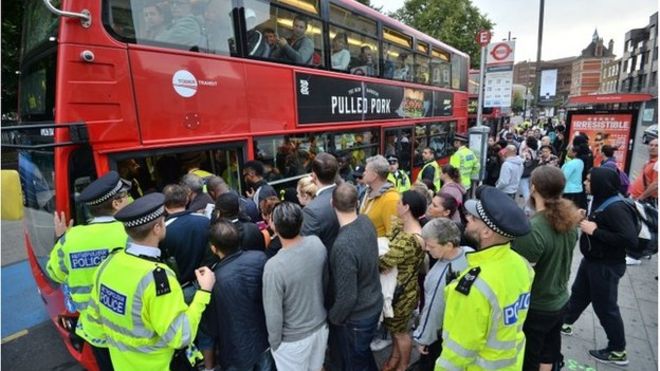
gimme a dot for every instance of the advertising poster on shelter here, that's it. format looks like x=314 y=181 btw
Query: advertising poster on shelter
x=603 y=128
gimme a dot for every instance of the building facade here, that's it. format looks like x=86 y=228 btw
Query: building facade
x=609 y=80
x=639 y=72
x=524 y=73
x=587 y=68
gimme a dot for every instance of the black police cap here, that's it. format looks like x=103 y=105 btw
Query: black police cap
x=461 y=137
x=392 y=158
x=499 y=212
x=103 y=189
x=144 y=210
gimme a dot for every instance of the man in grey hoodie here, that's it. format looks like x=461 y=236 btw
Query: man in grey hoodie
x=511 y=172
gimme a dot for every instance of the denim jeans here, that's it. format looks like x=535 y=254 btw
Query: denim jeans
x=349 y=345
x=598 y=283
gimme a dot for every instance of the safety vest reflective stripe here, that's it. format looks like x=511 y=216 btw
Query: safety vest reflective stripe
x=60 y=256
x=447 y=365
x=500 y=363
x=436 y=174
x=80 y=289
x=450 y=344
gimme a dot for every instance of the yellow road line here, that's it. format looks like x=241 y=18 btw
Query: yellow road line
x=14 y=336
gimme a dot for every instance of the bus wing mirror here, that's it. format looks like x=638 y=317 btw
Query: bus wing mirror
x=11 y=201
x=84 y=16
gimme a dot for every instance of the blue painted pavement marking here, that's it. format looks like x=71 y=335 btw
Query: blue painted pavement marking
x=22 y=306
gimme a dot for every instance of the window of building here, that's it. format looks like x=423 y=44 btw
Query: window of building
x=654 y=78
x=639 y=62
x=440 y=68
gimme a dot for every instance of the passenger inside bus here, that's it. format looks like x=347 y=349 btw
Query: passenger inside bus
x=365 y=64
x=156 y=19
x=341 y=57
x=299 y=48
x=402 y=71
x=257 y=45
x=271 y=40
x=219 y=29
x=186 y=29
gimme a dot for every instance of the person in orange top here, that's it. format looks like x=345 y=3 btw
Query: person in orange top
x=380 y=201
x=645 y=186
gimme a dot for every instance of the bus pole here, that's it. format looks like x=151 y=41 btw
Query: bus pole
x=482 y=73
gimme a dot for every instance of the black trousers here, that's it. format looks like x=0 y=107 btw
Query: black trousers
x=427 y=361
x=543 y=338
x=598 y=283
x=102 y=356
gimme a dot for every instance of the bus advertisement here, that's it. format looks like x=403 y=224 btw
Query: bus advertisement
x=155 y=89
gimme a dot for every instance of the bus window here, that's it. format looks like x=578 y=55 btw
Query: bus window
x=82 y=172
x=359 y=145
x=361 y=52
x=289 y=36
x=458 y=72
x=440 y=68
x=309 y=6
x=422 y=69
x=398 y=142
x=36 y=169
x=440 y=138
x=153 y=171
x=398 y=55
x=38 y=27
x=181 y=24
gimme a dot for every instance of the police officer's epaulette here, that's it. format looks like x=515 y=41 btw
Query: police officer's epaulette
x=161 y=281
x=116 y=250
x=465 y=283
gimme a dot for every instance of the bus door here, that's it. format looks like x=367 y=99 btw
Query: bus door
x=398 y=141
x=151 y=170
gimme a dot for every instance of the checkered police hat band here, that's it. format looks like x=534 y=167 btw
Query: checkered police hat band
x=108 y=195
x=484 y=216
x=146 y=218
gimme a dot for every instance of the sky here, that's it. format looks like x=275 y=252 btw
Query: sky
x=568 y=24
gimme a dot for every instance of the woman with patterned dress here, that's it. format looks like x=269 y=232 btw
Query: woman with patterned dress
x=407 y=255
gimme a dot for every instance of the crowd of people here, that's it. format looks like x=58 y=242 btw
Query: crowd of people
x=310 y=280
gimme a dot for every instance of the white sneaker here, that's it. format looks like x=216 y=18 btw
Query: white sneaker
x=632 y=261
x=380 y=344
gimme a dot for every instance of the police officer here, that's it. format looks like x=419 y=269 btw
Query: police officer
x=137 y=298
x=487 y=305
x=431 y=170
x=81 y=249
x=465 y=160
x=397 y=176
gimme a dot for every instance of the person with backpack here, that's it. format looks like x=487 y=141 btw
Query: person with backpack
x=609 y=229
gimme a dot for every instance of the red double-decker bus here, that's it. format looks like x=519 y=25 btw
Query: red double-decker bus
x=154 y=88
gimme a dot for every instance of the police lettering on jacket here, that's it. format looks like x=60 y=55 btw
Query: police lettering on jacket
x=88 y=259
x=511 y=311
x=113 y=300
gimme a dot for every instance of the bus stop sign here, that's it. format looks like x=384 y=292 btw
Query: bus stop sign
x=483 y=38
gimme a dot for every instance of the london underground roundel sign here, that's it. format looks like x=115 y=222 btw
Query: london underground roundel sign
x=501 y=51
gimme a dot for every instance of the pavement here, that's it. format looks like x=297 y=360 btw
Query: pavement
x=26 y=329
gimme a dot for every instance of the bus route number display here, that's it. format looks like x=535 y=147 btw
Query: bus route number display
x=323 y=99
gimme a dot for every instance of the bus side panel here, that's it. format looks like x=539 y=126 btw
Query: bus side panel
x=179 y=96
x=461 y=112
x=98 y=93
x=270 y=98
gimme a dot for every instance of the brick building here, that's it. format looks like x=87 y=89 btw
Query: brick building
x=609 y=80
x=524 y=73
x=586 y=69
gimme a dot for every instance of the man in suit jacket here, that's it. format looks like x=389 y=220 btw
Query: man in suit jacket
x=319 y=217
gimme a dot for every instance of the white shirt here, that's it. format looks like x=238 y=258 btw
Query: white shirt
x=136 y=249
x=341 y=59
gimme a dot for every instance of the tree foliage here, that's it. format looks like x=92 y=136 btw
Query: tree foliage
x=12 y=12
x=455 y=22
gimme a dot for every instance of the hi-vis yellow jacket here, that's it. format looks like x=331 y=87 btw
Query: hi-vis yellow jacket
x=437 y=183
x=485 y=312
x=80 y=251
x=467 y=164
x=138 y=309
